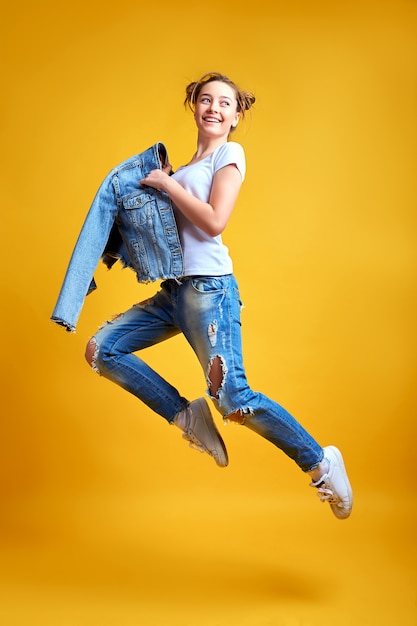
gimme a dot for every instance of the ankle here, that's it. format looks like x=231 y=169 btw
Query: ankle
x=181 y=419
x=319 y=471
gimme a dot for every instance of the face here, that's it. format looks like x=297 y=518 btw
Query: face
x=216 y=109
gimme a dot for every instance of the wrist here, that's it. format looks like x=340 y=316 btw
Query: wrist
x=167 y=184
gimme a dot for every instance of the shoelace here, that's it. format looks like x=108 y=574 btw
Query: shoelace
x=327 y=495
x=189 y=435
x=194 y=443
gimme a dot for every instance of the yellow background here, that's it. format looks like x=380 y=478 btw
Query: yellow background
x=107 y=517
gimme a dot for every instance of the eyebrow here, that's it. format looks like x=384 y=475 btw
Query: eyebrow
x=224 y=97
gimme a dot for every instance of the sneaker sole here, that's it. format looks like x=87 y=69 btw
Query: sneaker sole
x=341 y=512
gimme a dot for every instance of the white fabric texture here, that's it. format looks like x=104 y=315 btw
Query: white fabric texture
x=205 y=255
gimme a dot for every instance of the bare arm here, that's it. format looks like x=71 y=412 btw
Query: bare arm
x=212 y=216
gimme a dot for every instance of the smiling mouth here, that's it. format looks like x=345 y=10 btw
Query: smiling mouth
x=212 y=119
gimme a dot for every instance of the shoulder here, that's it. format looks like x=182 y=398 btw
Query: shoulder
x=231 y=148
x=228 y=153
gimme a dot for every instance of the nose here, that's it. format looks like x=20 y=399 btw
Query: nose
x=214 y=106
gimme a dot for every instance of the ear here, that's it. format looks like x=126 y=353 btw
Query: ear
x=235 y=123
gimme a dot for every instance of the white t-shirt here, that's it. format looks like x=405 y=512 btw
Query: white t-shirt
x=205 y=255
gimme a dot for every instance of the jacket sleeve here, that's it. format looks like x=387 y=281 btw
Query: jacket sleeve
x=89 y=247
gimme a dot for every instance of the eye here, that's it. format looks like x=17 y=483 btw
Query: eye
x=225 y=103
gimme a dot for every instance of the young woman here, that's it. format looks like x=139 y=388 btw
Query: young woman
x=205 y=306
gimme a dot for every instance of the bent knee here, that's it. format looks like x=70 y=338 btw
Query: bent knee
x=91 y=352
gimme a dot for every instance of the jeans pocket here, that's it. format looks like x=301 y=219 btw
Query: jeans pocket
x=207 y=284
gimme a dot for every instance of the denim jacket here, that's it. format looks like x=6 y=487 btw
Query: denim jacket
x=128 y=222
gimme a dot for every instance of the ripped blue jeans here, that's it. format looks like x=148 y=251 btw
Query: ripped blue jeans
x=207 y=311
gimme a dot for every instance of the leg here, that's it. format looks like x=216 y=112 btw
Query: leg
x=109 y=353
x=210 y=319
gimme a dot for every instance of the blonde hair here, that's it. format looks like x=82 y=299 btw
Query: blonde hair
x=244 y=99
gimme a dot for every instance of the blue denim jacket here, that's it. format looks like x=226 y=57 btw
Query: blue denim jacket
x=128 y=222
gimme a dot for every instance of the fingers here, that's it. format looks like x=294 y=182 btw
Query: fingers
x=154 y=179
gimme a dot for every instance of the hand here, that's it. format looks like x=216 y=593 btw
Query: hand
x=157 y=178
x=167 y=168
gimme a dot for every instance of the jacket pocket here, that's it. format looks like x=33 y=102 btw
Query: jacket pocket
x=139 y=208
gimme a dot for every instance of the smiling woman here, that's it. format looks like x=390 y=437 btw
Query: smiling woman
x=204 y=304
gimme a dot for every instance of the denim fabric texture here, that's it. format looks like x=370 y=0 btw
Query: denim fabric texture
x=207 y=311
x=128 y=222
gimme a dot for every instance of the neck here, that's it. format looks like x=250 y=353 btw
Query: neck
x=207 y=146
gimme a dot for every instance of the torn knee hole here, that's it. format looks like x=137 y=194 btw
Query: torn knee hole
x=216 y=375
x=91 y=352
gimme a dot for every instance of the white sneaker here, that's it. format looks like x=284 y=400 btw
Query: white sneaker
x=334 y=487
x=200 y=430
